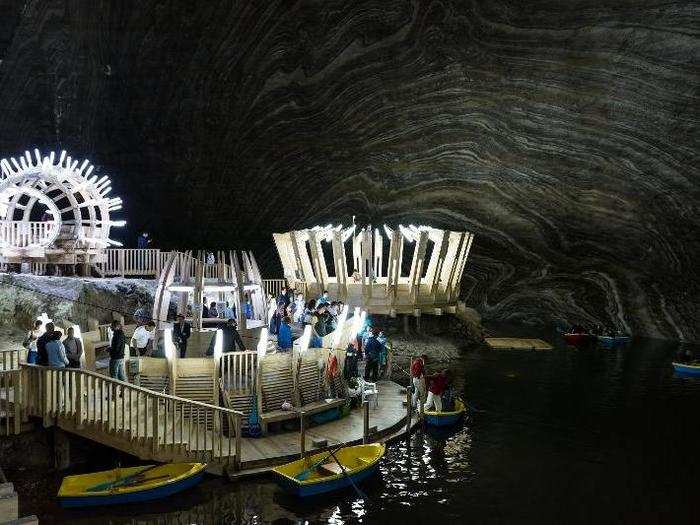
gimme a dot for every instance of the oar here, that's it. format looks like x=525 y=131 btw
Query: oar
x=304 y=474
x=109 y=484
x=361 y=494
x=142 y=480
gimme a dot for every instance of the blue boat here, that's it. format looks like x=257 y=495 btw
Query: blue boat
x=608 y=341
x=445 y=419
x=321 y=473
x=129 y=485
x=688 y=370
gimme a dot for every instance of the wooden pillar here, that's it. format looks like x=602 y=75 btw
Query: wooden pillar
x=365 y=426
x=302 y=435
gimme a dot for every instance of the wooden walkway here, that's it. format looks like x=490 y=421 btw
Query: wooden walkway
x=517 y=343
x=160 y=427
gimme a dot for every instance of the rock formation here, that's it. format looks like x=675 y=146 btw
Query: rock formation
x=563 y=133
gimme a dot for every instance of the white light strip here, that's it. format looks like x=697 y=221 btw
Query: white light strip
x=168 y=345
x=305 y=340
x=337 y=336
x=218 y=344
x=262 y=343
x=355 y=324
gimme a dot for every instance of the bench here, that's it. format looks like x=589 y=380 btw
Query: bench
x=274 y=386
x=310 y=384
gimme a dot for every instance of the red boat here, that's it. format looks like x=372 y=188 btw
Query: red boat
x=579 y=339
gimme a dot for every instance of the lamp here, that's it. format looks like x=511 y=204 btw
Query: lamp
x=168 y=345
x=262 y=343
x=340 y=325
x=355 y=323
x=305 y=340
x=218 y=344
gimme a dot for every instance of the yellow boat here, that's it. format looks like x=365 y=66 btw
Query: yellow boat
x=320 y=473
x=127 y=485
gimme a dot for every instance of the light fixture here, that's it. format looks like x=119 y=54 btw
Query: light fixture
x=305 y=340
x=355 y=324
x=168 y=345
x=262 y=343
x=218 y=344
x=339 y=326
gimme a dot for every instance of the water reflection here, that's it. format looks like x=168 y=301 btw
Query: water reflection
x=564 y=436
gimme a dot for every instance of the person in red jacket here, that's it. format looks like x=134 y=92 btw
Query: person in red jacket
x=418 y=379
x=438 y=384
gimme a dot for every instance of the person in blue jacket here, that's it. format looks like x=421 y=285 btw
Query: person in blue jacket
x=284 y=336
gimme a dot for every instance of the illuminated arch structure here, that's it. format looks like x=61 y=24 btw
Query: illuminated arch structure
x=53 y=209
x=379 y=279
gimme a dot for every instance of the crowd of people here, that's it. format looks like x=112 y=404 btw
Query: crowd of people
x=46 y=345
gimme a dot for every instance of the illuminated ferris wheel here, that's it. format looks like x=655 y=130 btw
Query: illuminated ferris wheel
x=53 y=207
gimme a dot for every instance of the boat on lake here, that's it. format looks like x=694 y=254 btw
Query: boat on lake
x=321 y=473
x=579 y=339
x=129 y=485
x=613 y=341
x=687 y=369
x=445 y=419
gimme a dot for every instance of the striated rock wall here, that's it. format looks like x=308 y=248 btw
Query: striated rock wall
x=563 y=133
x=70 y=299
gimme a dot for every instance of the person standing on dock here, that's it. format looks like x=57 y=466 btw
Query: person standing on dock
x=56 y=351
x=284 y=336
x=42 y=355
x=438 y=384
x=181 y=333
x=418 y=378
x=74 y=348
x=373 y=350
x=116 y=352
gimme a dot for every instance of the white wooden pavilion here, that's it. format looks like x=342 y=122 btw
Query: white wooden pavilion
x=407 y=269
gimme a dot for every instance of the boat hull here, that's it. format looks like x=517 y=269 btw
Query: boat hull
x=316 y=489
x=613 y=342
x=579 y=340
x=445 y=419
x=689 y=370
x=303 y=478
x=130 y=485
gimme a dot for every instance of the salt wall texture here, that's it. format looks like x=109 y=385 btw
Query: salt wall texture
x=563 y=133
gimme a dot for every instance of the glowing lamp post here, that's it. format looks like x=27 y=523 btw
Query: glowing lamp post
x=339 y=327
x=262 y=343
x=168 y=345
x=355 y=324
x=218 y=345
x=305 y=340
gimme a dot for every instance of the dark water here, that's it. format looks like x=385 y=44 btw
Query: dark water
x=564 y=436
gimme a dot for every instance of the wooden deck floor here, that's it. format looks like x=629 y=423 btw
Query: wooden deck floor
x=517 y=343
x=277 y=448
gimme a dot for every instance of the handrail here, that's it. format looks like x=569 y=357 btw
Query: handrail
x=137 y=388
x=150 y=424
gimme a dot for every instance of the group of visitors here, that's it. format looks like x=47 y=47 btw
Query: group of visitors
x=438 y=386
x=46 y=346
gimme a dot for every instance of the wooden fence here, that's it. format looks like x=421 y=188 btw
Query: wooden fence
x=22 y=234
x=148 y=424
x=238 y=370
x=10 y=391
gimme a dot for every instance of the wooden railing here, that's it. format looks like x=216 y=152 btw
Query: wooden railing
x=142 y=422
x=10 y=392
x=274 y=286
x=238 y=370
x=21 y=234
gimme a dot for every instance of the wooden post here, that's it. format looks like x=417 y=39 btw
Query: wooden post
x=154 y=413
x=237 y=459
x=409 y=413
x=365 y=432
x=79 y=400
x=302 y=436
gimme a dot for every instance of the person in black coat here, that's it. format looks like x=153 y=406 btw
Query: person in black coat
x=181 y=333
x=42 y=354
x=117 y=370
x=232 y=338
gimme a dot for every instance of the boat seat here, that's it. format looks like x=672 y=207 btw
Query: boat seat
x=330 y=469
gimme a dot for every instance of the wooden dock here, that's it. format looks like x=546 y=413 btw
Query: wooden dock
x=517 y=343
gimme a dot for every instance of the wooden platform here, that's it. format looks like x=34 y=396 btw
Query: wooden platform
x=517 y=343
x=278 y=448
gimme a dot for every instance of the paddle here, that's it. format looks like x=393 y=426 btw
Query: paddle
x=304 y=474
x=142 y=480
x=117 y=482
x=361 y=494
